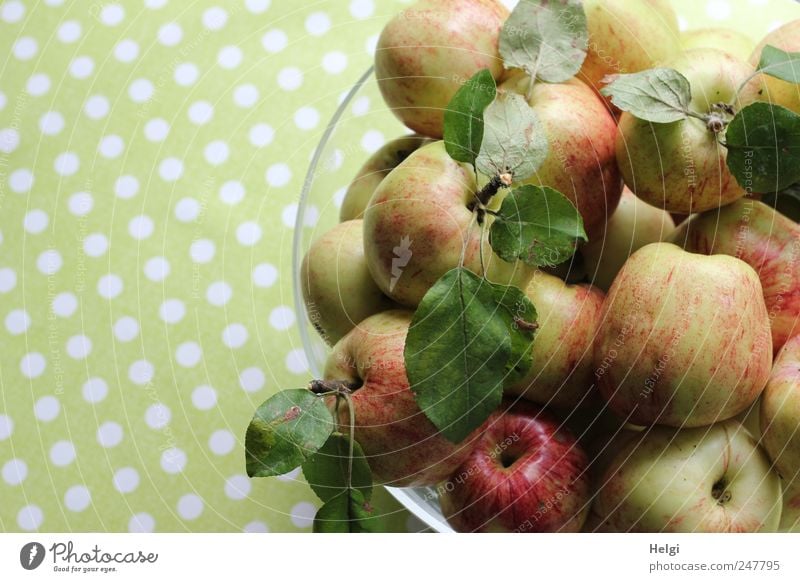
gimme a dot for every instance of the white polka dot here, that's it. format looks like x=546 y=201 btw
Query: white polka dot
x=172 y=311
x=170 y=169
x=229 y=57
x=65 y=304
x=187 y=209
x=79 y=347
x=188 y=354
x=140 y=90
x=54 y=2
x=190 y=506
x=290 y=78
x=141 y=372
x=297 y=362
x=157 y=416
x=292 y=475
x=219 y=293
x=96 y=107
x=257 y=6
x=255 y=527
x=9 y=140
x=306 y=118
x=318 y=24
x=155 y=5
x=252 y=379
x=126 y=480
x=231 y=192
x=94 y=390
x=38 y=85
x=141 y=227
x=80 y=203
x=261 y=135
x=204 y=397
x=718 y=9
x=95 y=244
x=311 y=216
x=201 y=112
x=111 y=146
x=81 y=67
x=238 y=487
x=774 y=25
x=6 y=426
x=69 y=31
x=264 y=275
x=142 y=523
x=126 y=50
x=235 y=335
x=334 y=62
x=371 y=44
x=25 y=48
x=8 y=280
x=18 y=321
x=66 y=164
x=170 y=34
x=278 y=175
x=274 y=41
x=109 y=286
x=126 y=329
x=112 y=14
x=221 y=442
x=361 y=106
x=49 y=262
x=173 y=460
x=20 y=181
x=216 y=152
x=215 y=18
x=77 y=498
x=281 y=318
x=302 y=514
x=126 y=186
x=109 y=434
x=245 y=95
x=35 y=221
x=4 y=99
x=156 y=129
x=51 y=123
x=361 y=8
x=62 y=453
x=12 y=11
x=289 y=215
x=15 y=471
x=248 y=233
x=186 y=74
x=372 y=140
x=30 y=517
x=202 y=251
x=157 y=269
x=47 y=408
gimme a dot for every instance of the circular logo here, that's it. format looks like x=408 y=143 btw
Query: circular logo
x=31 y=555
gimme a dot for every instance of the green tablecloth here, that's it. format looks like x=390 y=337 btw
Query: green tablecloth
x=151 y=158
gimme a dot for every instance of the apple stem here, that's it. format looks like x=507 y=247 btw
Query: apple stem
x=333 y=386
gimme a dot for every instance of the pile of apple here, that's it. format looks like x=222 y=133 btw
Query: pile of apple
x=517 y=322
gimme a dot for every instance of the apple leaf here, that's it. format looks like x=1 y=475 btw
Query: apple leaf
x=519 y=315
x=781 y=64
x=787 y=201
x=763 y=142
x=326 y=470
x=514 y=141
x=658 y=95
x=548 y=40
x=285 y=431
x=347 y=512
x=537 y=225
x=463 y=118
x=457 y=351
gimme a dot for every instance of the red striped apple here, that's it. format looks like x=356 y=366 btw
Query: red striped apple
x=787 y=38
x=725 y=39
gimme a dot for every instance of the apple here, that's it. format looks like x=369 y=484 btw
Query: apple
x=374 y=170
x=527 y=473
x=419 y=224
x=427 y=51
x=633 y=225
x=708 y=479
x=764 y=239
x=725 y=39
x=665 y=13
x=680 y=166
x=684 y=338
x=568 y=317
x=790 y=517
x=403 y=448
x=787 y=38
x=337 y=288
x=581 y=134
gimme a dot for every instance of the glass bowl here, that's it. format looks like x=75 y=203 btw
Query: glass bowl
x=359 y=126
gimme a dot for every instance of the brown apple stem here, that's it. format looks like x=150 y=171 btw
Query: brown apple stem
x=333 y=386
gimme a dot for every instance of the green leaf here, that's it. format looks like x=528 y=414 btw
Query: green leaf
x=348 y=512
x=326 y=470
x=787 y=201
x=463 y=118
x=547 y=39
x=538 y=225
x=763 y=142
x=658 y=95
x=520 y=317
x=781 y=64
x=286 y=429
x=456 y=353
x=513 y=141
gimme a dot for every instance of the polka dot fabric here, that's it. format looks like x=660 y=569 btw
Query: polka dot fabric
x=151 y=159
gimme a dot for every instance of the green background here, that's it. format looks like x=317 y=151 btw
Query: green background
x=151 y=159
